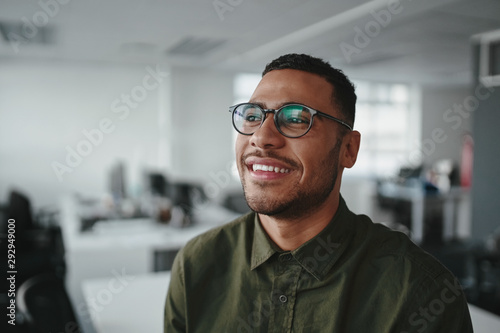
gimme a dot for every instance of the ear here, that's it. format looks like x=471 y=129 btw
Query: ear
x=350 y=149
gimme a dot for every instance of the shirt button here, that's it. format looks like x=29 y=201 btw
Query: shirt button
x=283 y=299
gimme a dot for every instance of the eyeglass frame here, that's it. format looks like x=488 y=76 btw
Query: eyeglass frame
x=313 y=112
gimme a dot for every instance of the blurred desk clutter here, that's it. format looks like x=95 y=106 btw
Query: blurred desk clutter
x=431 y=216
x=429 y=202
x=162 y=200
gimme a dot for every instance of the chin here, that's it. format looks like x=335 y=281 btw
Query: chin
x=262 y=201
x=267 y=204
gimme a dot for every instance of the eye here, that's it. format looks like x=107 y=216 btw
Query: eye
x=295 y=120
x=248 y=117
x=295 y=115
x=252 y=115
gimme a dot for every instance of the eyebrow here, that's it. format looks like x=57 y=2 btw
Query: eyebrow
x=262 y=104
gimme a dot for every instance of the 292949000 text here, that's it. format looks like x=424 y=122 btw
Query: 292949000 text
x=11 y=271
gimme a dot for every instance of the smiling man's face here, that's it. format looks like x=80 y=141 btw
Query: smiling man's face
x=290 y=177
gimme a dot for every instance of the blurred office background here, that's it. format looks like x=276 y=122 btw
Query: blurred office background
x=116 y=145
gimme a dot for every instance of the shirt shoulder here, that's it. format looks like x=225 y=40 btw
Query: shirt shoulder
x=219 y=240
x=382 y=242
x=409 y=276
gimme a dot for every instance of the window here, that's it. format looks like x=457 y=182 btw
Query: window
x=244 y=86
x=388 y=117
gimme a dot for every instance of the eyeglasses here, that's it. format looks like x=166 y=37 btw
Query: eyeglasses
x=292 y=120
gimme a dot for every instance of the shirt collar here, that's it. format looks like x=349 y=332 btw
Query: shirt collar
x=262 y=247
x=318 y=255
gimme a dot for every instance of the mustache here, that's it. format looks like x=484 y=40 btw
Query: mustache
x=270 y=154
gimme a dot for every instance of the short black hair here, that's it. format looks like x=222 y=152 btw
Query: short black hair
x=344 y=96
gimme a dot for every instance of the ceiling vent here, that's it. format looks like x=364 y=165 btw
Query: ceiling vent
x=195 y=46
x=22 y=32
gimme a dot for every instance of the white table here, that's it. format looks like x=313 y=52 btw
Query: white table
x=139 y=306
x=133 y=305
x=484 y=321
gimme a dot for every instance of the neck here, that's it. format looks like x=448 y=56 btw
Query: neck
x=290 y=234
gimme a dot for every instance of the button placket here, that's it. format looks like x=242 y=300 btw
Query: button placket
x=284 y=261
x=283 y=294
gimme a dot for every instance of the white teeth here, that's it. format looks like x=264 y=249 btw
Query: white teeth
x=263 y=167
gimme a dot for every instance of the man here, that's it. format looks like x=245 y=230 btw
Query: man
x=301 y=261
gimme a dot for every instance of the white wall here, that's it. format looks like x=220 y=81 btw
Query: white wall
x=180 y=127
x=202 y=145
x=45 y=106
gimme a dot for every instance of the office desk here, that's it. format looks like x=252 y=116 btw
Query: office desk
x=451 y=201
x=134 y=307
x=139 y=306
x=122 y=246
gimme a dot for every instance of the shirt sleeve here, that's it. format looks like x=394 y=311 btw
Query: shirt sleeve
x=438 y=306
x=175 y=305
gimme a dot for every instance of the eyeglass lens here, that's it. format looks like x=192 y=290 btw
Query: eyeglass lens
x=292 y=120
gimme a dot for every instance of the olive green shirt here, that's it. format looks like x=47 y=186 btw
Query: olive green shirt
x=354 y=276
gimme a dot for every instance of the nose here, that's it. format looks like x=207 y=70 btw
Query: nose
x=267 y=136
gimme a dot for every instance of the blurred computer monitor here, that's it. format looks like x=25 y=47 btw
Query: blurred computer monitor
x=117 y=182
x=157 y=184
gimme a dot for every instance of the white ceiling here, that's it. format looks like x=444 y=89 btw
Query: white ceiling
x=426 y=41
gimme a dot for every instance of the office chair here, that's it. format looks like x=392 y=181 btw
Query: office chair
x=44 y=306
x=19 y=209
x=39 y=248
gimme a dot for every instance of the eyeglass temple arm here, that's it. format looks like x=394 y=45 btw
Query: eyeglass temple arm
x=340 y=121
